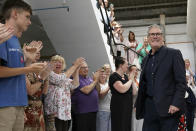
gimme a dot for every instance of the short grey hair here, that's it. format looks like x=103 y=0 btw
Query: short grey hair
x=154 y=26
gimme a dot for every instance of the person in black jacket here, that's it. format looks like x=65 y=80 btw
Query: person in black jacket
x=190 y=104
x=162 y=86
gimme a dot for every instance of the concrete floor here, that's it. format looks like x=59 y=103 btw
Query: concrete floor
x=194 y=128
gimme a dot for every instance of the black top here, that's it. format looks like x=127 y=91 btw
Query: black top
x=121 y=105
x=116 y=77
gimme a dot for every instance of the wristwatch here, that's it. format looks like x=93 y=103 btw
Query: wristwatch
x=40 y=79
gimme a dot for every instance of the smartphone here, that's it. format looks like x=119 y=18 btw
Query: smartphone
x=50 y=66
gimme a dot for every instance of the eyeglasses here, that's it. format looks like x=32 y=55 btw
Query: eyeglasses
x=84 y=67
x=138 y=70
x=154 y=34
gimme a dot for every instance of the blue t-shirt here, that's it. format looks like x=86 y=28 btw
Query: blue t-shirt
x=12 y=89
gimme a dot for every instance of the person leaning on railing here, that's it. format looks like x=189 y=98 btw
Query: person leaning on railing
x=118 y=37
x=110 y=14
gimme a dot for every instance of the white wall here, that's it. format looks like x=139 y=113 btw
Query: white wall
x=174 y=33
x=191 y=19
x=74 y=33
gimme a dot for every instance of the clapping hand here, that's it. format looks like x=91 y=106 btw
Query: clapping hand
x=46 y=71
x=34 y=47
x=31 y=49
x=96 y=75
x=121 y=31
x=125 y=48
x=5 y=33
x=145 y=42
x=132 y=75
x=79 y=61
x=37 y=67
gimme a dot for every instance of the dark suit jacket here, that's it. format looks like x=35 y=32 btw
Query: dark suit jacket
x=168 y=84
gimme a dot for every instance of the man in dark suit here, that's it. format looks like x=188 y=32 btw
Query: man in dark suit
x=161 y=92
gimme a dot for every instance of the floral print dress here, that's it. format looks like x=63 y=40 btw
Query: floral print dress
x=58 y=99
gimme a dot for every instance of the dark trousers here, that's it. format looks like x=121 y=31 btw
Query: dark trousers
x=73 y=116
x=61 y=125
x=190 y=117
x=153 y=122
x=85 y=122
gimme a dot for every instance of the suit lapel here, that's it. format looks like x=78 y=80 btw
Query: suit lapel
x=144 y=65
x=160 y=57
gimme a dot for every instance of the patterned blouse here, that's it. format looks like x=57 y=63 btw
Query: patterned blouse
x=34 y=111
x=58 y=99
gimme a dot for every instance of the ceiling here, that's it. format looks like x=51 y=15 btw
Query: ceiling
x=126 y=3
x=144 y=9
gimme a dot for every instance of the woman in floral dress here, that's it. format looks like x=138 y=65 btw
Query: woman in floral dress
x=58 y=101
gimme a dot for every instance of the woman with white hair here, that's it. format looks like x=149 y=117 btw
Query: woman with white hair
x=58 y=101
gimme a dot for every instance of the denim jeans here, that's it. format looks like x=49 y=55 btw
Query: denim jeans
x=103 y=122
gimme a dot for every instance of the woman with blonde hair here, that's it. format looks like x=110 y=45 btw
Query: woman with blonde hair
x=58 y=101
x=188 y=67
x=107 y=69
x=103 y=122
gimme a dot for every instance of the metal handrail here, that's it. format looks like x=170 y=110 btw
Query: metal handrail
x=111 y=36
x=129 y=48
x=105 y=25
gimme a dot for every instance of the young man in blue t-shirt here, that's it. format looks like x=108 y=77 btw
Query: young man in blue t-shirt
x=13 y=94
